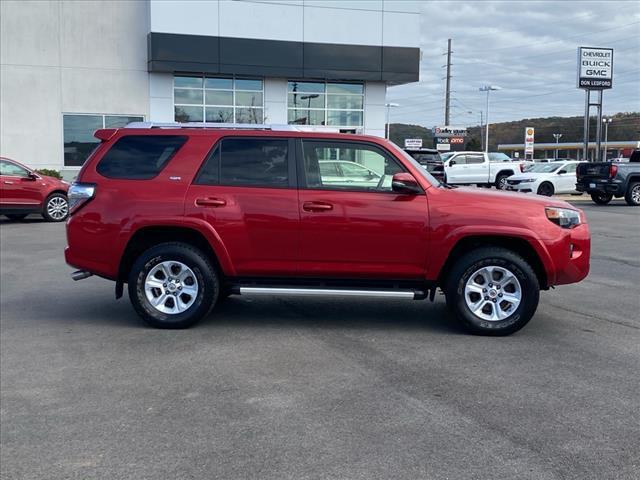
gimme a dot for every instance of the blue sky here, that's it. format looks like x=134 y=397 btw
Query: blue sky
x=529 y=49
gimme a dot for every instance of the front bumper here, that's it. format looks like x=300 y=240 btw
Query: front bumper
x=571 y=255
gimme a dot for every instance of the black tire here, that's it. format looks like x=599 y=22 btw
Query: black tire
x=206 y=277
x=473 y=262
x=501 y=181
x=16 y=217
x=632 y=197
x=601 y=198
x=546 y=189
x=61 y=210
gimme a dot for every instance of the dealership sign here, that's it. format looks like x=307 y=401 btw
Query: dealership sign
x=529 y=133
x=447 y=131
x=412 y=143
x=595 y=68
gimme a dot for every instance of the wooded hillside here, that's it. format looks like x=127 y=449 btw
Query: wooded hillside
x=625 y=126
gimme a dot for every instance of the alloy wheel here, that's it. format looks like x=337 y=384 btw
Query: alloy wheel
x=635 y=194
x=493 y=293
x=58 y=208
x=171 y=287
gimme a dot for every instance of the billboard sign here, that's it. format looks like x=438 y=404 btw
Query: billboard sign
x=442 y=144
x=448 y=131
x=412 y=143
x=595 y=68
x=529 y=134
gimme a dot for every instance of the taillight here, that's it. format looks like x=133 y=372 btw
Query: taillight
x=613 y=170
x=79 y=194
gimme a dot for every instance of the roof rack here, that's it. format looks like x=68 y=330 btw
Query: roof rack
x=236 y=126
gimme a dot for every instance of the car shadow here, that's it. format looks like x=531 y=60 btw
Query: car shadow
x=281 y=313
x=30 y=219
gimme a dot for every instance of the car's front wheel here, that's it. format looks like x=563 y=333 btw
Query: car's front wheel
x=492 y=291
x=601 y=198
x=56 y=208
x=173 y=285
x=546 y=189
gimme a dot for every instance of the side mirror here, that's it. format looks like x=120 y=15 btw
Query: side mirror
x=31 y=177
x=561 y=172
x=405 y=183
x=452 y=163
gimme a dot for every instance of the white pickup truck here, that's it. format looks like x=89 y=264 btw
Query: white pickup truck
x=481 y=168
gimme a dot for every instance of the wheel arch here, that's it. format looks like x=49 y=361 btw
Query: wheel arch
x=518 y=245
x=148 y=236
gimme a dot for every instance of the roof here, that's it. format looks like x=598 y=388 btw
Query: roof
x=570 y=145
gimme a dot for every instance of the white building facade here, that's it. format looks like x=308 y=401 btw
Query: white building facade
x=69 y=67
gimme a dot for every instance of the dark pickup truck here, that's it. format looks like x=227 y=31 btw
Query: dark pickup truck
x=430 y=159
x=605 y=180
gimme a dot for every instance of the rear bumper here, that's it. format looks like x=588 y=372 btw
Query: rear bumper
x=614 y=187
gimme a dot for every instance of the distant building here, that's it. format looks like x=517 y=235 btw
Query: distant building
x=70 y=67
x=570 y=149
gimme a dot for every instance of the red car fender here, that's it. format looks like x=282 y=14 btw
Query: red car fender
x=447 y=243
x=198 y=225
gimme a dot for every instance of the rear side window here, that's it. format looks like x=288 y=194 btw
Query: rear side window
x=247 y=162
x=139 y=157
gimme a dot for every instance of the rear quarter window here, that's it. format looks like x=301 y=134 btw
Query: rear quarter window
x=139 y=157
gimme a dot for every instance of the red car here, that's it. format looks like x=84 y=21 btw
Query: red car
x=186 y=216
x=23 y=191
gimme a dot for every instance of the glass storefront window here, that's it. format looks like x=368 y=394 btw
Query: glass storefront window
x=325 y=103
x=218 y=99
x=78 y=131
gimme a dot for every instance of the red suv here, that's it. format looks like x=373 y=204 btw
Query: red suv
x=187 y=216
x=23 y=191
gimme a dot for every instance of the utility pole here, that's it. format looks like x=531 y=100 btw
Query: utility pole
x=447 y=98
x=387 y=130
x=557 y=136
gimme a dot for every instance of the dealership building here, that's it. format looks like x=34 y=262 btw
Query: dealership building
x=69 y=67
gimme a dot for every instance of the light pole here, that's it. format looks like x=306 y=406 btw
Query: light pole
x=606 y=122
x=557 y=136
x=487 y=88
x=388 y=126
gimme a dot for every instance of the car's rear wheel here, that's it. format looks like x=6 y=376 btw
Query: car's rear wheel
x=632 y=197
x=601 y=198
x=492 y=291
x=56 y=208
x=501 y=181
x=546 y=189
x=16 y=216
x=173 y=285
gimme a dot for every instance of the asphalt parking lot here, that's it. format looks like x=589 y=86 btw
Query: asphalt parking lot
x=282 y=388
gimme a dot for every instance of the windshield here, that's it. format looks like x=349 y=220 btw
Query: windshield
x=544 y=168
x=422 y=170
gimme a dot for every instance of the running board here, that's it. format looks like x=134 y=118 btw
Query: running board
x=407 y=294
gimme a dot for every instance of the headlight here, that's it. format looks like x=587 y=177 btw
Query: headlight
x=528 y=180
x=564 y=217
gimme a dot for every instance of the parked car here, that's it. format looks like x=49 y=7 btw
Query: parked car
x=23 y=191
x=341 y=172
x=467 y=168
x=430 y=159
x=605 y=180
x=546 y=178
x=185 y=216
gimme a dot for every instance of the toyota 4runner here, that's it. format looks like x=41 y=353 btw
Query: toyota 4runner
x=186 y=215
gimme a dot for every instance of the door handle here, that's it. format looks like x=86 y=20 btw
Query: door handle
x=316 y=206
x=8 y=182
x=210 y=202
